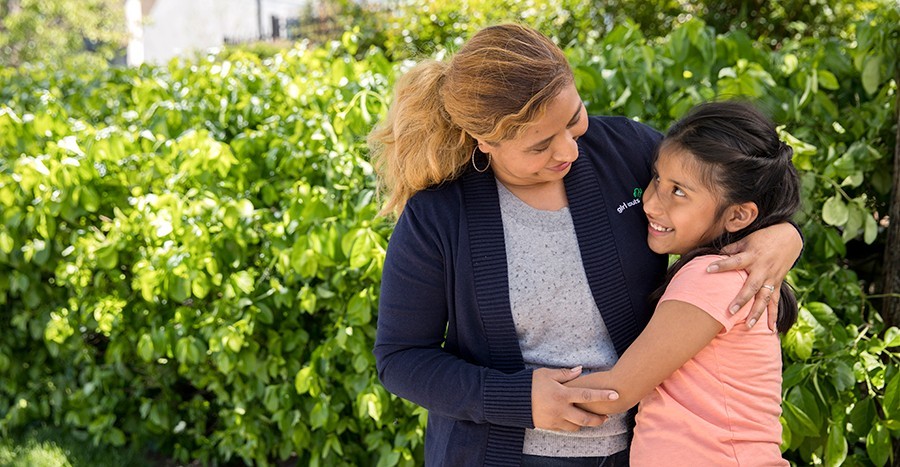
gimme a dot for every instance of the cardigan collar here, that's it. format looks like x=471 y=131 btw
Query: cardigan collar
x=596 y=242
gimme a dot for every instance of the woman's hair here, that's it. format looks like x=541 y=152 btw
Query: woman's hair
x=738 y=154
x=497 y=84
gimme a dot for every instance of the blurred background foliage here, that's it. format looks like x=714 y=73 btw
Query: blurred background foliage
x=48 y=31
x=190 y=257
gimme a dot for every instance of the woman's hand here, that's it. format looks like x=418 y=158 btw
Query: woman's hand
x=767 y=255
x=553 y=405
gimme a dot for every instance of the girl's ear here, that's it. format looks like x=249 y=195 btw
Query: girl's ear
x=738 y=216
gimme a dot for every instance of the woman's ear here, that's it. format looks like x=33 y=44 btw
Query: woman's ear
x=484 y=146
x=741 y=215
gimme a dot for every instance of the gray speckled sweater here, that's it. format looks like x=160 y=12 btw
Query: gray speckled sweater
x=557 y=322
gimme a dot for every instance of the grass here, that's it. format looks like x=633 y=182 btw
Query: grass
x=46 y=446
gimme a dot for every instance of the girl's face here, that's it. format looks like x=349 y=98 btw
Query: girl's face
x=681 y=209
x=544 y=152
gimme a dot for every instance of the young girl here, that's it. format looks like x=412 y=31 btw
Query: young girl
x=709 y=387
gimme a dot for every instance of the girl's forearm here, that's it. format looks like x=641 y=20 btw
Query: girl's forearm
x=676 y=332
x=606 y=380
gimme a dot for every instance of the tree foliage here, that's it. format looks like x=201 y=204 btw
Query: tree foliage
x=190 y=258
x=33 y=31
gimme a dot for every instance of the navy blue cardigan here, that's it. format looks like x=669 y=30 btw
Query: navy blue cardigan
x=446 y=338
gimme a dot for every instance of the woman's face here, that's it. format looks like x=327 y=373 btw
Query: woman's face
x=545 y=150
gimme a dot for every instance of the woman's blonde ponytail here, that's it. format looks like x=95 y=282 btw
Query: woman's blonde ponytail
x=417 y=145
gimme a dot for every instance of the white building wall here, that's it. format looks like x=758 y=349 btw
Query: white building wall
x=181 y=28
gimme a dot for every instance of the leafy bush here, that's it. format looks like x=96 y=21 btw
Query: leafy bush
x=190 y=257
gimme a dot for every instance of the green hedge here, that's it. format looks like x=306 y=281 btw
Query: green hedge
x=190 y=255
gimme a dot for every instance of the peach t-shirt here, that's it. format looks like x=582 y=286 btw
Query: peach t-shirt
x=722 y=407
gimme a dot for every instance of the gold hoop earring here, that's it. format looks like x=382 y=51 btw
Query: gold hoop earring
x=475 y=166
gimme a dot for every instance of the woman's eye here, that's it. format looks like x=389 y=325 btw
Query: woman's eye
x=678 y=192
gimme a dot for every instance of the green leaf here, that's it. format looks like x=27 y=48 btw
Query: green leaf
x=180 y=288
x=827 y=80
x=891 y=402
x=822 y=313
x=89 y=199
x=303 y=380
x=871 y=74
x=803 y=398
x=854 y=221
x=200 y=286
x=231 y=215
x=271 y=399
x=389 y=458
x=892 y=337
x=870 y=231
x=799 y=421
x=785 y=434
x=6 y=242
x=359 y=310
x=182 y=349
x=304 y=262
x=145 y=348
x=878 y=444
x=800 y=339
x=836 y=445
x=622 y=99
x=835 y=211
x=107 y=257
x=244 y=281
x=308 y=300
x=116 y=437
x=319 y=415
x=842 y=376
x=362 y=249
x=233 y=341
x=862 y=417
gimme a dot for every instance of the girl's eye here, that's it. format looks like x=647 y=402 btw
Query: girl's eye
x=540 y=150
x=678 y=192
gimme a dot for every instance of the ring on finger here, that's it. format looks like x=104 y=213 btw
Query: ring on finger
x=770 y=287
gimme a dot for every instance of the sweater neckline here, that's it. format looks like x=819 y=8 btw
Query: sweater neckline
x=596 y=242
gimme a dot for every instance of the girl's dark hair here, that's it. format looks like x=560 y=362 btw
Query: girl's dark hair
x=738 y=153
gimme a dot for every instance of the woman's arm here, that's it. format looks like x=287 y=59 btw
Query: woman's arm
x=767 y=255
x=412 y=360
x=676 y=332
x=412 y=323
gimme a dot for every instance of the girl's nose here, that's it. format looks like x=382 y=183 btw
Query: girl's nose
x=649 y=200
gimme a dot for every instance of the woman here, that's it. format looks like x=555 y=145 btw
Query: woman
x=519 y=255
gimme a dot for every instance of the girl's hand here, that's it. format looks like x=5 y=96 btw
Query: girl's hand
x=767 y=255
x=553 y=405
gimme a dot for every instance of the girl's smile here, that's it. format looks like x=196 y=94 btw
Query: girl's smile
x=656 y=229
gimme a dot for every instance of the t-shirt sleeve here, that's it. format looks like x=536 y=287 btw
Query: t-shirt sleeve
x=711 y=292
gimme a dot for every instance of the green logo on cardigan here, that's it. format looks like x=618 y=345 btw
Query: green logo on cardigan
x=638 y=192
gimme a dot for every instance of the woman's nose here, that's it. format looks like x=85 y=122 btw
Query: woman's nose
x=567 y=152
